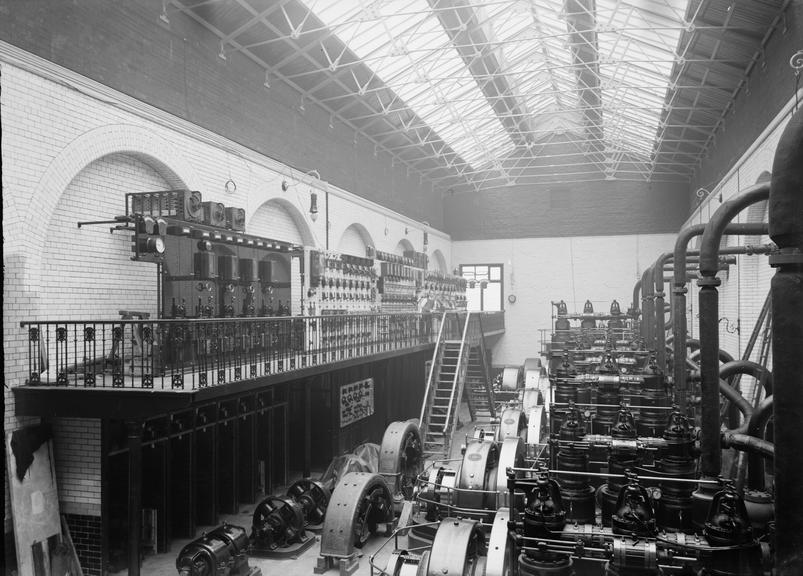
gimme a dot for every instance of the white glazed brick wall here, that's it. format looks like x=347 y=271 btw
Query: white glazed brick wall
x=69 y=156
x=351 y=242
x=541 y=270
x=274 y=220
x=87 y=272
x=745 y=287
x=77 y=453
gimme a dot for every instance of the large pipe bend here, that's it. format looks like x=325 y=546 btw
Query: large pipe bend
x=647 y=319
x=723 y=356
x=679 y=290
x=636 y=298
x=740 y=403
x=712 y=235
x=758 y=422
x=748 y=444
x=750 y=368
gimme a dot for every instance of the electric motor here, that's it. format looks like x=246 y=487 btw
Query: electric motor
x=220 y=552
x=278 y=521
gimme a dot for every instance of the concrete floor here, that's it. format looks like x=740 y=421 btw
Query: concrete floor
x=165 y=564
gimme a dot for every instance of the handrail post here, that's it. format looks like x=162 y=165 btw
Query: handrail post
x=431 y=370
x=458 y=369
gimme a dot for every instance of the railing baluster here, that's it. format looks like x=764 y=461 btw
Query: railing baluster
x=192 y=354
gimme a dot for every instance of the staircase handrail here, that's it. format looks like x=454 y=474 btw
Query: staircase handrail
x=432 y=367
x=487 y=377
x=447 y=428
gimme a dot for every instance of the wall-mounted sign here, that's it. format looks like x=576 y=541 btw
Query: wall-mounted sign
x=356 y=401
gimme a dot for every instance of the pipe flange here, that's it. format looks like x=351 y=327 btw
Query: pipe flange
x=785 y=258
x=709 y=281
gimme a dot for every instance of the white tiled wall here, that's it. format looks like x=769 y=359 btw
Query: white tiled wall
x=541 y=270
x=71 y=149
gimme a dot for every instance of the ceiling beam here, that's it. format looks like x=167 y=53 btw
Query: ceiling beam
x=581 y=24
x=459 y=19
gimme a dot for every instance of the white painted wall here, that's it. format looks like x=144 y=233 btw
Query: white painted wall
x=541 y=270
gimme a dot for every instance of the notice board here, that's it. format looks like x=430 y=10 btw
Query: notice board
x=356 y=401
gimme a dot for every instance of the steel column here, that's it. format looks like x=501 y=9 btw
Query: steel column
x=786 y=230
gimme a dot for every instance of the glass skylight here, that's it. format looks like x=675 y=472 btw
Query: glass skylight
x=637 y=43
x=623 y=51
x=403 y=42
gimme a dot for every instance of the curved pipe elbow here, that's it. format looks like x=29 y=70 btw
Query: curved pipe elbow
x=741 y=404
x=709 y=244
x=749 y=368
x=749 y=444
x=761 y=416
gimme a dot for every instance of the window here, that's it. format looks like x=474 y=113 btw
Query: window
x=484 y=291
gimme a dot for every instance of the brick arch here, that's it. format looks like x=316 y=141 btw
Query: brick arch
x=308 y=239
x=363 y=233
x=404 y=244
x=136 y=141
x=438 y=262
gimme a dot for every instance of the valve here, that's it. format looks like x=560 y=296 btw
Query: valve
x=634 y=514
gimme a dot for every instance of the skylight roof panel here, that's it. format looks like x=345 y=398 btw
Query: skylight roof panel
x=636 y=48
x=404 y=43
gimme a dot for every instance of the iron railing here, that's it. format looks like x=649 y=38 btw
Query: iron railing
x=493 y=322
x=181 y=354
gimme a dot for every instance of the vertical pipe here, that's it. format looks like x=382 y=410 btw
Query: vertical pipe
x=786 y=230
x=647 y=314
x=711 y=458
x=134 y=432
x=679 y=291
x=660 y=313
x=755 y=463
x=636 y=299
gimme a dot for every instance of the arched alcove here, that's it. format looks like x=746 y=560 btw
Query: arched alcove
x=278 y=219
x=134 y=142
x=355 y=240
x=87 y=272
x=403 y=246
x=438 y=262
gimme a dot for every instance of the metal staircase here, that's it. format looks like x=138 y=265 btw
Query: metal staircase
x=455 y=363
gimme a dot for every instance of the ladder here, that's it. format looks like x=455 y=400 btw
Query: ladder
x=455 y=363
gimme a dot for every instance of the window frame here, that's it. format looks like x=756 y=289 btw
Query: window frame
x=501 y=283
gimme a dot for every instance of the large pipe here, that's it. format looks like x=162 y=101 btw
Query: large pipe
x=647 y=311
x=786 y=230
x=634 y=309
x=758 y=422
x=750 y=368
x=723 y=355
x=750 y=445
x=711 y=456
x=660 y=316
x=679 y=291
x=739 y=402
x=659 y=332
